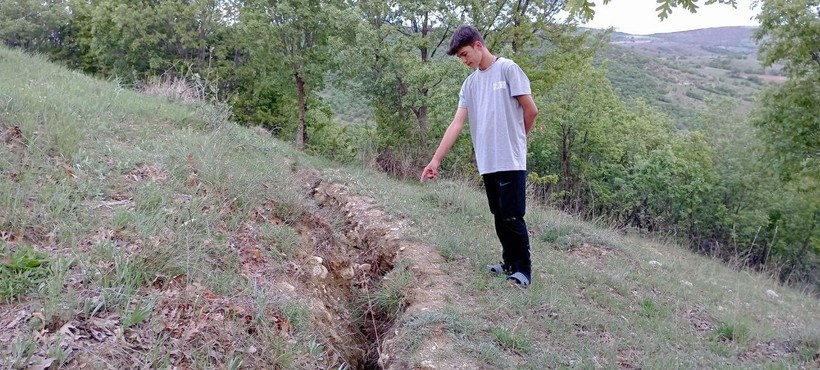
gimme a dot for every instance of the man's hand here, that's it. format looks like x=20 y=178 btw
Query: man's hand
x=430 y=172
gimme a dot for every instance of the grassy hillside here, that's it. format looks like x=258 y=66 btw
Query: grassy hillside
x=142 y=233
x=682 y=72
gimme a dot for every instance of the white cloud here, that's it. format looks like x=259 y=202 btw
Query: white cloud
x=640 y=17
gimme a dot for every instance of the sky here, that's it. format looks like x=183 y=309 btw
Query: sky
x=639 y=17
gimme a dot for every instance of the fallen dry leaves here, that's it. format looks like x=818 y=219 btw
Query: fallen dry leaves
x=71 y=337
x=145 y=171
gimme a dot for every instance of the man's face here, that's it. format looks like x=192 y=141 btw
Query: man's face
x=470 y=54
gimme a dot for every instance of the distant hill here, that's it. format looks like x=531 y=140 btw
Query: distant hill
x=682 y=72
x=708 y=41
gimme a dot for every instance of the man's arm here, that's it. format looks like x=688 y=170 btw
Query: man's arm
x=447 y=141
x=530 y=111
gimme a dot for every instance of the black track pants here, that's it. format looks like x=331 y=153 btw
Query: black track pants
x=506 y=193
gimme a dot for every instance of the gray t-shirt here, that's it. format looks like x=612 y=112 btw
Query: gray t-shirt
x=495 y=116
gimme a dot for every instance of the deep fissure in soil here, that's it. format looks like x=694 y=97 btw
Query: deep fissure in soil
x=358 y=251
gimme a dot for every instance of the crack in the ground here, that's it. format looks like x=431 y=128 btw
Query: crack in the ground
x=374 y=239
x=361 y=261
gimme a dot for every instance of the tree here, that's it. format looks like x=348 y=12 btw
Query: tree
x=789 y=126
x=512 y=22
x=31 y=24
x=75 y=38
x=400 y=66
x=137 y=39
x=294 y=33
x=571 y=141
x=789 y=33
x=585 y=8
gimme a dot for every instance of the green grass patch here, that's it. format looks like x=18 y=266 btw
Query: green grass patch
x=21 y=271
x=650 y=308
x=283 y=240
x=389 y=298
x=511 y=340
x=731 y=332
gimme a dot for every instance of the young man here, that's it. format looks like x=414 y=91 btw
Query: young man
x=497 y=100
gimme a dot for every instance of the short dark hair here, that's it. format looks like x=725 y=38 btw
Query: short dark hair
x=464 y=35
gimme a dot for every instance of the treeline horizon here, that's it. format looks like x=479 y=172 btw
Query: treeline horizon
x=740 y=188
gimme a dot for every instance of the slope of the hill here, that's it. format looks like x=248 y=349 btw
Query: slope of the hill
x=682 y=72
x=139 y=233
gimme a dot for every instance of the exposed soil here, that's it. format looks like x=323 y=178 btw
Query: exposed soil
x=593 y=254
x=697 y=317
x=383 y=237
x=775 y=349
x=627 y=358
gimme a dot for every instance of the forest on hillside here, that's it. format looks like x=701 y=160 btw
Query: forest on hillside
x=611 y=146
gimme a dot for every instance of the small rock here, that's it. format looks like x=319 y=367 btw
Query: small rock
x=252 y=350
x=348 y=273
x=364 y=267
x=287 y=286
x=655 y=264
x=315 y=260
x=772 y=294
x=686 y=282
x=319 y=272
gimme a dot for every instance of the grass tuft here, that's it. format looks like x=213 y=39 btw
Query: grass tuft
x=553 y=233
x=731 y=332
x=650 y=308
x=511 y=340
x=391 y=296
x=21 y=271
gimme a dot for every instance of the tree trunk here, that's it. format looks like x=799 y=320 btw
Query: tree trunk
x=421 y=116
x=301 y=131
x=421 y=112
x=520 y=13
x=806 y=241
x=565 y=158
